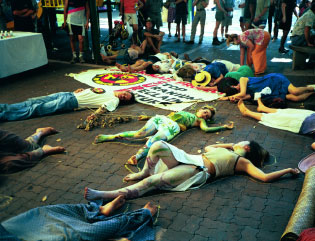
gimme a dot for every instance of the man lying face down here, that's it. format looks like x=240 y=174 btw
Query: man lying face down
x=65 y=101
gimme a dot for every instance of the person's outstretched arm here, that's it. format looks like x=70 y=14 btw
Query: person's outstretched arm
x=223 y=145
x=245 y=165
x=205 y=128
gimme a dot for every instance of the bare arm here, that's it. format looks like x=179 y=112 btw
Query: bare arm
x=242 y=55
x=226 y=145
x=284 y=17
x=65 y=12
x=87 y=11
x=307 y=30
x=246 y=166
x=203 y=126
x=217 y=2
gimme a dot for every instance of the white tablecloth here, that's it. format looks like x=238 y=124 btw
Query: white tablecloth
x=23 y=51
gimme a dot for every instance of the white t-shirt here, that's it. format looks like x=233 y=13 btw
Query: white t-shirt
x=88 y=99
x=168 y=65
x=231 y=67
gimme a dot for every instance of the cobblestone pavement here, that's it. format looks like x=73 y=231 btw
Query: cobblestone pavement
x=233 y=208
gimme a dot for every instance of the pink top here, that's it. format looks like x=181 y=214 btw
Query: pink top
x=255 y=35
x=129 y=5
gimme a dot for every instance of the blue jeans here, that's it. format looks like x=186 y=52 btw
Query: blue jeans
x=39 y=106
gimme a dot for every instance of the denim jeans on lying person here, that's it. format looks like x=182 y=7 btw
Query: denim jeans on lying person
x=38 y=106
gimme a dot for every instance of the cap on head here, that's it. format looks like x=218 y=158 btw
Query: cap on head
x=202 y=79
x=149 y=19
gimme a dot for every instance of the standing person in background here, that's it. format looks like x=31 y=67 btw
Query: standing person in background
x=199 y=17
x=249 y=13
x=277 y=19
x=242 y=19
x=3 y=20
x=128 y=10
x=219 y=17
x=23 y=11
x=171 y=16
x=270 y=15
x=227 y=21
x=261 y=14
x=76 y=18
x=287 y=9
x=181 y=17
x=154 y=10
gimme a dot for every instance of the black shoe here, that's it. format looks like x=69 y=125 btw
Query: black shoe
x=200 y=42
x=170 y=35
x=177 y=41
x=216 y=41
x=176 y=35
x=283 y=51
x=223 y=40
x=190 y=42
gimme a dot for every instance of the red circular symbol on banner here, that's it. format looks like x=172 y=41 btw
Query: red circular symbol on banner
x=118 y=79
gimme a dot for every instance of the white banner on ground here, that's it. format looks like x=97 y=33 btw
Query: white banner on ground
x=156 y=90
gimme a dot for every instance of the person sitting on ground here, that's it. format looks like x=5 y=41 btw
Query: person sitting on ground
x=65 y=101
x=125 y=56
x=17 y=154
x=92 y=221
x=162 y=127
x=279 y=87
x=170 y=168
x=153 y=37
x=255 y=43
x=299 y=121
x=301 y=33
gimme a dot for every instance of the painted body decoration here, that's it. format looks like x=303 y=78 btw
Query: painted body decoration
x=165 y=128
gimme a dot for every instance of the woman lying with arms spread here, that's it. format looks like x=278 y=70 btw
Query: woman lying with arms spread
x=172 y=169
x=165 y=128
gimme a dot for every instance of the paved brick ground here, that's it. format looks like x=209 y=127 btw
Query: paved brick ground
x=234 y=208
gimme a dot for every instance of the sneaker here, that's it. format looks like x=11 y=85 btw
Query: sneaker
x=216 y=41
x=81 y=59
x=283 y=51
x=190 y=42
x=73 y=60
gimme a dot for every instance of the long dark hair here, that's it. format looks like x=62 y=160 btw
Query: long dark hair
x=149 y=69
x=257 y=154
x=225 y=86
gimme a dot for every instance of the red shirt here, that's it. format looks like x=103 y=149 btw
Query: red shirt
x=129 y=6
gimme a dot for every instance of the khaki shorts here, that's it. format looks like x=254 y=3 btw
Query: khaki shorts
x=131 y=18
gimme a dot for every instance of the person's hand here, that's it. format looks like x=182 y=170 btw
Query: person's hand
x=284 y=19
x=87 y=26
x=295 y=171
x=224 y=98
x=64 y=25
x=78 y=90
x=233 y=99
x=256 y=19
x=229 y=126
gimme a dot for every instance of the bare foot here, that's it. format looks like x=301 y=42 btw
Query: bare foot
x=260 y=105
x=132 y=160
x=134 y=176
x=186 y=57
x=46 y=131
x=152 y=208
x=91 y=194
x=112 y=206
x=242 y=107
x=48 y=150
